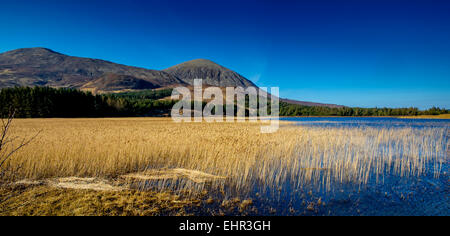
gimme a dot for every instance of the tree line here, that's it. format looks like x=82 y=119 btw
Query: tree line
x=287 y=109
x=45 y=102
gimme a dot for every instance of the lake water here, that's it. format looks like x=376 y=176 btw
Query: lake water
x=380 y=122
x=416 y=195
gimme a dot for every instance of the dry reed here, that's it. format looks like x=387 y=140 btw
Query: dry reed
x=248 y=159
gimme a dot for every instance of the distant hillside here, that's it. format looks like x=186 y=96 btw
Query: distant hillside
x=114 y=82
x=44 y=67
x=311 y=104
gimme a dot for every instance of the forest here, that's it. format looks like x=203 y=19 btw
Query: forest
x=46 y=102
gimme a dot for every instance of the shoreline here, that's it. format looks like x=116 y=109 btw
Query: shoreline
x=444 y=116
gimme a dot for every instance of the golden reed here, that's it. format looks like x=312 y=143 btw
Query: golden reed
x=238 y=151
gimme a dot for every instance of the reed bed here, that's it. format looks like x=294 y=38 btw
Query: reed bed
x=294 y=156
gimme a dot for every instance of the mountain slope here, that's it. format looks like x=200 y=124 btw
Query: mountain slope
x=44 y=67
x=310 y=104
x=211 y=73
x=113 y=82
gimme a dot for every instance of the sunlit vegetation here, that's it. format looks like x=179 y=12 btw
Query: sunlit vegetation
x=441 y=116
x=240 y=156
x=50 y=201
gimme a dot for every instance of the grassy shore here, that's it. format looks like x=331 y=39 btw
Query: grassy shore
x=443 y=116
x=21 y=200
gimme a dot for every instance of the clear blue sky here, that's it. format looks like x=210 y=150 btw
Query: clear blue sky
x=356 y=53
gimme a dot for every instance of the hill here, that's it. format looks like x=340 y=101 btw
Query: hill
x=211 y=73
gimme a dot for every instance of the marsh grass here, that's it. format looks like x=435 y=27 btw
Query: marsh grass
x=250 y=161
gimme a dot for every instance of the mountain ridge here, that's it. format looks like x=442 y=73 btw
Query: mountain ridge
x=41 y=66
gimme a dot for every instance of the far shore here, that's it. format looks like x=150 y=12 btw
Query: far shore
x=443 y=116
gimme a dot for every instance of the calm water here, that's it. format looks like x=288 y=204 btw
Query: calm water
x=418 y=195
x=395 y=195
x=381 y=122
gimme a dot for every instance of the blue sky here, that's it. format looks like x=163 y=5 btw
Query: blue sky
x=356 y=53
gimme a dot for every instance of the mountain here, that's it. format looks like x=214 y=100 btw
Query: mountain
x=44 y=67
x=211 y=73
